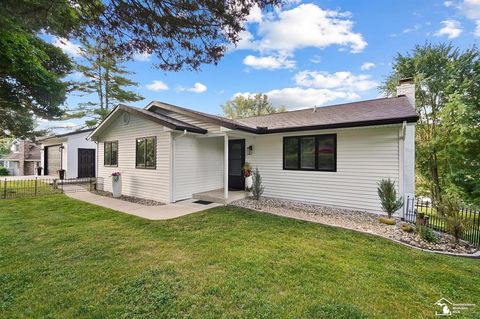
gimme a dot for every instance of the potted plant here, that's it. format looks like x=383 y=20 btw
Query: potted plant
x=247 y=174
x=116 y=184
x=61 y=174
x=39 y=170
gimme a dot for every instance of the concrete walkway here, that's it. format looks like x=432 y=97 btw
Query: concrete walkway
x=163 y=212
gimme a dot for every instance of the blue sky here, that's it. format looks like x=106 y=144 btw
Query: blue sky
x=305 y=54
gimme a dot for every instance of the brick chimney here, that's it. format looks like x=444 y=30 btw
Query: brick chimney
x=22 y=153
x=406 y=87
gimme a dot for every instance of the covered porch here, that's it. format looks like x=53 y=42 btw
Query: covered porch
x=222 y=158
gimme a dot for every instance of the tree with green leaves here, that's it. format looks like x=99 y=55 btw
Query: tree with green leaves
x=106 y=78
x=31 y=85
x=447 y=82
x=247 y=106
x=181 y=34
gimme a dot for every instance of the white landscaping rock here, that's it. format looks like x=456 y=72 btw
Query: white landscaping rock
x=351 y=219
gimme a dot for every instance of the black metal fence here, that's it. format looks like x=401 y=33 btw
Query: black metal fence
x=431 y=218
x=39 y=186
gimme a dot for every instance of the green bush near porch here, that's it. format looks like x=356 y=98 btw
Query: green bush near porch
x=61 y=258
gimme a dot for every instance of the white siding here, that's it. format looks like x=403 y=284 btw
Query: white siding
x=364 y=156
x=198 y=165
x=143 y=183
x=74 y=142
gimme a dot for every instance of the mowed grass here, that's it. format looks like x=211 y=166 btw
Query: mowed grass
x=61 y=258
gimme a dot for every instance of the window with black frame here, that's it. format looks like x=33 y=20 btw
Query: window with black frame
x=310 y=153
x=145 y=153
x=110 y=153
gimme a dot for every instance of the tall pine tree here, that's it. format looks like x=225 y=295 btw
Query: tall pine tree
x=106 y=79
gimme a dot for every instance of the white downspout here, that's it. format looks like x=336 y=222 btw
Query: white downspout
x=225 y=167
x=172 y=160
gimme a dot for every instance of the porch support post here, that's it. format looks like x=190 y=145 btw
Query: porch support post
x=225 y=166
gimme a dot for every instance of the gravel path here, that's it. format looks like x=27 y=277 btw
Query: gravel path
x=350 y=219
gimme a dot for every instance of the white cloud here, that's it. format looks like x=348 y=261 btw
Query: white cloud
x=367 y=66
x=157 y=86
x=319 y=88
x=451 y=29
x=471 y=9
x=306 y=25
x=477 y=29
x=142 y=57
x=316 y=59
x=448 y=4
x=268 y=62
x=255 y=14
x=197 y=88
x=67 y=46
x=344 y=81
x=298 y=97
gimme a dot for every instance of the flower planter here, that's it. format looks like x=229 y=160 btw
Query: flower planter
x=248 y=183
x=116 y=186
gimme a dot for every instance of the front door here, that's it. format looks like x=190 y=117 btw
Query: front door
x=86 y=162
x=236 y=160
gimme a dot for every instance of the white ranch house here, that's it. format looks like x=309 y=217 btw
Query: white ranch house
x=331 y=155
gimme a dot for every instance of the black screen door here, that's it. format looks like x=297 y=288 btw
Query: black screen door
x=236 y=160
x=86 y=162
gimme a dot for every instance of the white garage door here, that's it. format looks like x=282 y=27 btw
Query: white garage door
x=54 y=160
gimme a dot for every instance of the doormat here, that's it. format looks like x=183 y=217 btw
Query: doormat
x=202 y=202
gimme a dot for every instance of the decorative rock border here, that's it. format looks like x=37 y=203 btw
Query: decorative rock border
x=131 y=199
x=359 y=221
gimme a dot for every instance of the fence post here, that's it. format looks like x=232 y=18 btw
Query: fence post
x=36 y=186
x=5 y=188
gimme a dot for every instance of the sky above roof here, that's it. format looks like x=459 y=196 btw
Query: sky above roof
x=303 y=54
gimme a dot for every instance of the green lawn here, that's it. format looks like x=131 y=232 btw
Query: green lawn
x=60 y=258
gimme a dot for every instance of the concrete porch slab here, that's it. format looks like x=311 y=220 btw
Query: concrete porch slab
x=216 y=196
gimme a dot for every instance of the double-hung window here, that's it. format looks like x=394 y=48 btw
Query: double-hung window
x=146 y=152
x=310 y=153
x=110 y=153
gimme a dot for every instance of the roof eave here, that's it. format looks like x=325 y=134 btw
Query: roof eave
x=410 y=119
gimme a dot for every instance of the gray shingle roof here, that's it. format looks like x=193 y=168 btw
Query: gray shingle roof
x=388 y=110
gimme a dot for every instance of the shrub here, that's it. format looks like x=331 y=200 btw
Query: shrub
x=4 y=171
x=387 y=221
x=427 y=234
x=257 y=188
x=449 y=209
x=388 y=197
x=407 y=228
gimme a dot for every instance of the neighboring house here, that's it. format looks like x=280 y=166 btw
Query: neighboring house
x=332 y=155
x=71 y=152
x=23 y=159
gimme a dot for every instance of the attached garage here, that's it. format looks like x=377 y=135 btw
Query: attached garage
x=70 y=152
x=53 y=159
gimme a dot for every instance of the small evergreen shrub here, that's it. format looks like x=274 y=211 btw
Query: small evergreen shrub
x=427 y=234
x=4 y=171
x=257 y=188
x=407 y=228
x=388 y=197
x=387 y=221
